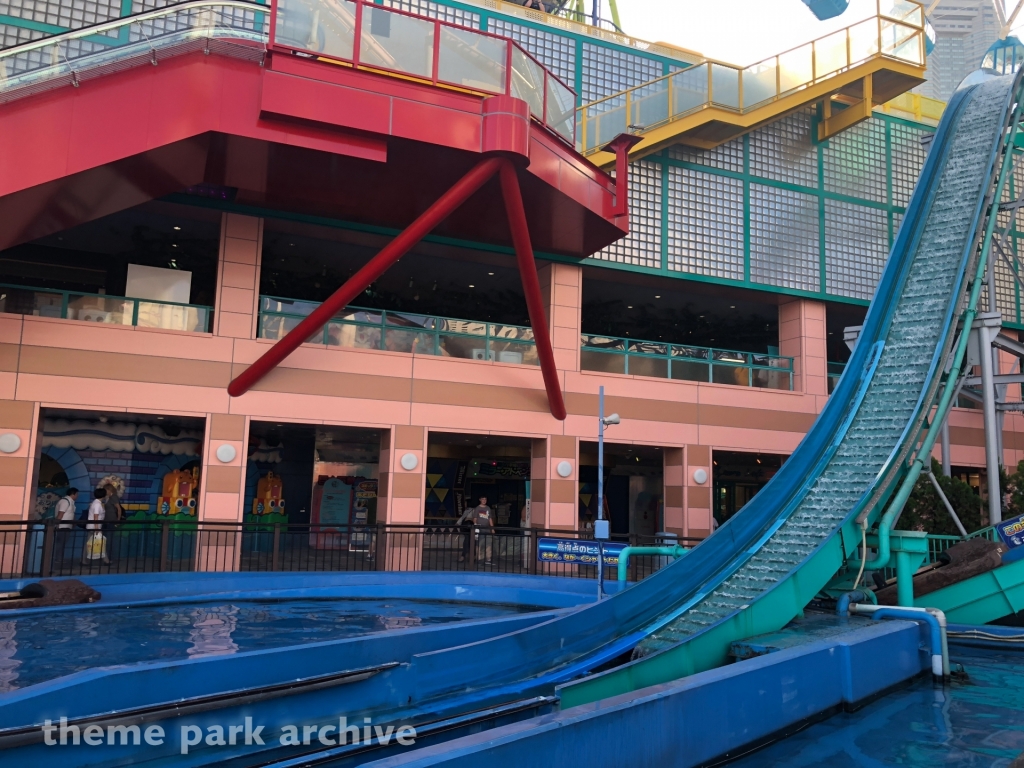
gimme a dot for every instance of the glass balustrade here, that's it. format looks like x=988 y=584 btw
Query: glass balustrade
x=98 y=308
x=356 y=32
x=358 y=328
x=895 y=32
x=391 y=40
x=610 y=354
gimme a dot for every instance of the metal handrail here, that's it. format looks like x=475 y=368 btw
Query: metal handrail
x=110 y=26
x=206 y=310
x=663 y=86
x=712 y=357
x=383 y=325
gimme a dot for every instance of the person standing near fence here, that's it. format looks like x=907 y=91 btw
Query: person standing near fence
x=113 y=513
x=95 y=542
x=483 y=523
x=65 y=515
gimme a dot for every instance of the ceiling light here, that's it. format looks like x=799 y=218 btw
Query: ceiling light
x=490 y=273
x=732 y=306
x=657 y=296
x=630 y=306
x=472 y=286
x=159 y=418
x=177 y=229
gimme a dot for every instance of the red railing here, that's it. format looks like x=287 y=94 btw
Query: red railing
x=369 y=36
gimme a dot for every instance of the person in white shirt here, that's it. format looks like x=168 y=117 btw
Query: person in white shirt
x=96 y=543
x=65 y=515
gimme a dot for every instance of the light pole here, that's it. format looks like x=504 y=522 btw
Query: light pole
x=602 y=526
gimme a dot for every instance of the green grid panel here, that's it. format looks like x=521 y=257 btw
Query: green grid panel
x=775 y=210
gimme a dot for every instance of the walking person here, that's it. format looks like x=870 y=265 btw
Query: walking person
x=113 y=513
x=483 y=524
x=95 y=542
x=65 y=515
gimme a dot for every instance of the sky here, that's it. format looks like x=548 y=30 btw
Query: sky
x=737 y=31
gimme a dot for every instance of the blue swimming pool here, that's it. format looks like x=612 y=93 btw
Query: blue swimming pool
x=975 y=724
x=43 y=646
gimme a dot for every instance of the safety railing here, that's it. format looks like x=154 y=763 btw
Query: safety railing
x=100 y=308
x=231 y=27
x=937 y=544
x=358 y=328
x=610 y=354
x=572 y=21
x=895 y=32
x=44 y=548
x=370 y=36
x=835 y=372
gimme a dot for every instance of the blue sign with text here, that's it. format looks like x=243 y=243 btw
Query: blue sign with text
x=577 y=552
x=1011 y=532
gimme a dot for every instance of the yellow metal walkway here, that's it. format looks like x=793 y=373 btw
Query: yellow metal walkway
x=711 y=102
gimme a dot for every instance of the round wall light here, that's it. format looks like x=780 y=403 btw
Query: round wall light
x=9 y=443
x=409 y=462
x=564 y=469
x=700 y=476
x=226 y=453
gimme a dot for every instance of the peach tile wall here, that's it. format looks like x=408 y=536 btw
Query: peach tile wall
x=562 y=288
x=802 y=336
x=60 y=363
x=238 y=276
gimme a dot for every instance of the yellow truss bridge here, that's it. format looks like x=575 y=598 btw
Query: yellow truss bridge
x=711 y=102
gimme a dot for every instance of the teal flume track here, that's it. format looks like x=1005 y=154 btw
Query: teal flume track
x=800 y=530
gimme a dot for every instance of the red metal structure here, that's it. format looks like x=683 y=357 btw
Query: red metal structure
x=348 y=116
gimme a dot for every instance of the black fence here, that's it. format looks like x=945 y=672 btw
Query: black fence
x=47 y=548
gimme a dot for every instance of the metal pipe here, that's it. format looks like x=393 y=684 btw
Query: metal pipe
x=675 y=551
x=945 y=501
x=374 y=268
x=988 y=399
x=531 y=287
x=947 y=466
x=933 y=617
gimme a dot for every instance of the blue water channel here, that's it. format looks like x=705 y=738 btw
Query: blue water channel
x=975 y=724
x=43 y=646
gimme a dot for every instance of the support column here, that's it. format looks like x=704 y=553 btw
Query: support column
x=236 y=313
x=802 y=336
x=222 y=485
x=540 y=467
x=561 y=286
x=17 y=449
x=673 y=471
x=407 y=482
x=563 y=491
x=554 y=498
x=699 y=497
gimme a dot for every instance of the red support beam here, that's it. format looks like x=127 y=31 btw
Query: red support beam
x=531 y=287
x=373 y=269
x=621 y=145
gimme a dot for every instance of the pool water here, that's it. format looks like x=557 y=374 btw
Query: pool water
x=44 y=646
x=979 y=724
